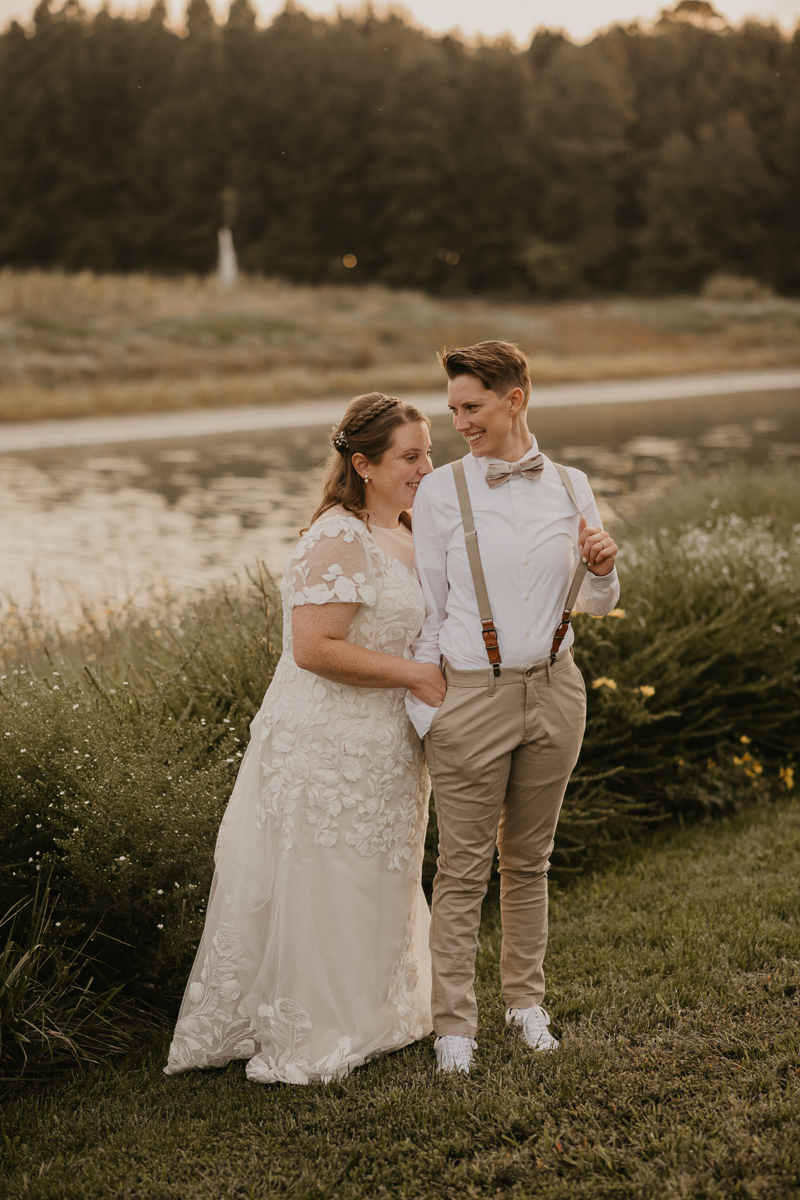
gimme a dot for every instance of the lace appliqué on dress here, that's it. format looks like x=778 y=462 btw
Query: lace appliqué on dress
x=285 y=1050
x=209 y=1035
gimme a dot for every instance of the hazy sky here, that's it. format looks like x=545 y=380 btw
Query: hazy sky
x=490 y=17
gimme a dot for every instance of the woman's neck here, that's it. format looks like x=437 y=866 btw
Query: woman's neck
x=384 y=516
x=383 y=520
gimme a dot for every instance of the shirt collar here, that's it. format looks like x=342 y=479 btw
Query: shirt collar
x=484 y=462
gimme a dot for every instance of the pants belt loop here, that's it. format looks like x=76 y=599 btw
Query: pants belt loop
x=547 y=669
x=491 y=681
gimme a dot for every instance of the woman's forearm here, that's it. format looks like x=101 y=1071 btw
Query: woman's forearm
x=342 y=662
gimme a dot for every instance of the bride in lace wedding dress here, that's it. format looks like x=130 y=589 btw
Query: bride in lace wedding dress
x=314 y=957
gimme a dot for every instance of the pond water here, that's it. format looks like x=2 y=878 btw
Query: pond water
x=87 y=525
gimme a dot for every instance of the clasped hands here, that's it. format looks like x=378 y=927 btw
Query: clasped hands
x=597 y=548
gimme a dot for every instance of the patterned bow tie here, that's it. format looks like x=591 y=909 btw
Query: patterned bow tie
x=529 y=468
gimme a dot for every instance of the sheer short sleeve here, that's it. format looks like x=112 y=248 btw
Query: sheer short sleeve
x=331 y=564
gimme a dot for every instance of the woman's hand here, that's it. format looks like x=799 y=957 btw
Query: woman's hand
x=597 y=548
x=429 y=684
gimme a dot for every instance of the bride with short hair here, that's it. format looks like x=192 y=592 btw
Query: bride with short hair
x=314 y=957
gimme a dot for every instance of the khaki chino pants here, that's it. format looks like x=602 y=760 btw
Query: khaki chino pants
x=500 y=753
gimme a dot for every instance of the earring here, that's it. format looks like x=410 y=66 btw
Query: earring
x=366 y=478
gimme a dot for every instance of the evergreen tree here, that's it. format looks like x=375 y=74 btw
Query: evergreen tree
x=645 y=158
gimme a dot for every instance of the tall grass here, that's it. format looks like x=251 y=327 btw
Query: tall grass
x=114 y=772
x=694 y=694
x=87 y=344
x=50 y=1012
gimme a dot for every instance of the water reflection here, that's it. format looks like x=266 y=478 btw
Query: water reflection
x=91 y=525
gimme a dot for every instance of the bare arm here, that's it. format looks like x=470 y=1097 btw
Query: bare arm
x=319 y=633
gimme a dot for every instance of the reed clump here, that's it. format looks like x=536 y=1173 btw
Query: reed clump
x=118 y=753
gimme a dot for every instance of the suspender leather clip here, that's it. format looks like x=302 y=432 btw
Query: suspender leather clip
x=492 y=648
x=560 y=634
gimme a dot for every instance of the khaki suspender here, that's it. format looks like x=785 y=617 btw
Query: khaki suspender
x=479 y=580
x=476 y=566
x=577 y=578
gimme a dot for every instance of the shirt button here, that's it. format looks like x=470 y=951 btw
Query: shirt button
x=527 y=560
x=527 y=633
x=527 y=597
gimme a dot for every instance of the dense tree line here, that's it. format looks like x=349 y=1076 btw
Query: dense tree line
x=645 y=159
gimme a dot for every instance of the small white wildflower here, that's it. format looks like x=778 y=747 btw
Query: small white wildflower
x=121 y=858
x=160 y=926
x=160 y=892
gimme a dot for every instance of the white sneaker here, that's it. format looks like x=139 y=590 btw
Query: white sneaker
x=454 y=1053
x=533 y=1023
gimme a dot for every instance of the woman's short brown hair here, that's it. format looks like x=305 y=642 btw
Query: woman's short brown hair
x=500 y=366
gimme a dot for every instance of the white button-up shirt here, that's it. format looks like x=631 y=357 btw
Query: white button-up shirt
x=528 y=539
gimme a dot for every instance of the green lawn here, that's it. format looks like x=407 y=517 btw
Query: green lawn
x=673 y=980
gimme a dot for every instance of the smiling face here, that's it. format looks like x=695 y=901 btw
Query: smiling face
x=394 y=480
x=493 y=426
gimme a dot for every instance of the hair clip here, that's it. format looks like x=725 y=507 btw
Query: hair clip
x=339 y=442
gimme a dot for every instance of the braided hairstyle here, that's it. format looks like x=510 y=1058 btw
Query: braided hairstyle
x=367 y=428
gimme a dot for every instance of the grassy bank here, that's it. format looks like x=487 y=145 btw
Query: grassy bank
x=82 y=344
x=673 y=982
x=118 y=751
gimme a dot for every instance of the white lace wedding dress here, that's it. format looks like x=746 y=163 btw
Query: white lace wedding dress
x=314 y=957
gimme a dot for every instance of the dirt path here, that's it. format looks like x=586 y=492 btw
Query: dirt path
x=88 y=431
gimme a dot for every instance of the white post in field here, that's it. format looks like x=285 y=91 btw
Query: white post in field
x=227 y=269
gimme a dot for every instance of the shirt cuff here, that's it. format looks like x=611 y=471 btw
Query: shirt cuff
x=603 y=581
x=421 y=715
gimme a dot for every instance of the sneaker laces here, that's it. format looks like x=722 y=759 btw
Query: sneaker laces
x=454 y=1052
x=534 y=1022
